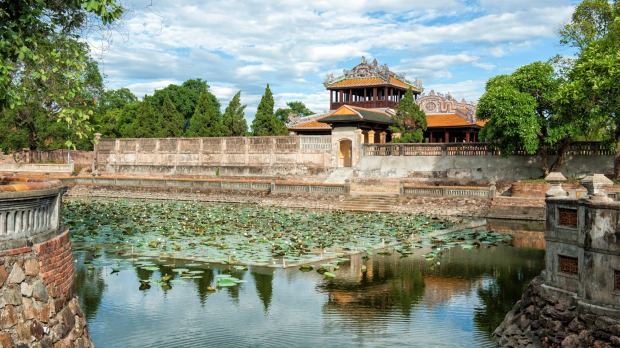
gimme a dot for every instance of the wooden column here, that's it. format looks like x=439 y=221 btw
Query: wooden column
x=467 y=136
x=446 y=137
x=374 y=94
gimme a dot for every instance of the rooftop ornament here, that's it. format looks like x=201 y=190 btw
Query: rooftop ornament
x=594 y=184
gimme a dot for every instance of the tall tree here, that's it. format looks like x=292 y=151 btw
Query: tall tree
x=409 y=120
x=26 y=28
x=522 y=113
x=592 y=86
x=234 y=117
x=265 y=122
x=184 y=97
x=295 y=109
x=170 y=121
x=207 y=120
x=144 y=124
x=108 y=116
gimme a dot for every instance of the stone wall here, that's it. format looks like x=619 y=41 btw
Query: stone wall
x=575 y=303
x=289 y=155
x=38 y=305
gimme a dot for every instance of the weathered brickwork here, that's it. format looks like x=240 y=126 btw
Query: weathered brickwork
x=38 y=307
x=56 y=264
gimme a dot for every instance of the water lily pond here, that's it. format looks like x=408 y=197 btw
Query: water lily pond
x=193 y=275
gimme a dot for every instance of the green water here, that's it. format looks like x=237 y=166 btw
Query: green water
x=455 y=301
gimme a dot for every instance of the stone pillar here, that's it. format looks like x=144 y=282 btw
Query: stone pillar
x=95 y=168
x=371 y=137
x=555 y=180
x=382 y=137
x=594 y=184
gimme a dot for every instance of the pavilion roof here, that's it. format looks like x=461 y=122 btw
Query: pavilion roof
x=371 y=74
x=348 y=113
x=448 y=120
x=311 y=125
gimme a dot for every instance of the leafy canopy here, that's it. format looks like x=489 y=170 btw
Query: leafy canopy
x=409 y=120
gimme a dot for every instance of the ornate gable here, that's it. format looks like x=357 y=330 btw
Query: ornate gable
x=438 y=103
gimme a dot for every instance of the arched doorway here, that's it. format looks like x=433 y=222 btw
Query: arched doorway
x=344 y=153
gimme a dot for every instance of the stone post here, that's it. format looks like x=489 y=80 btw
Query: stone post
x=371 y=137
x=594 y=184
x=382 y=137
x=492 y=189
x=401 y=188
x=347 y=186
x=95 y=169
x=555 y=180
x=272 y=189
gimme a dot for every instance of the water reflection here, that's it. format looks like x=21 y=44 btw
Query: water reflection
x=456 y=300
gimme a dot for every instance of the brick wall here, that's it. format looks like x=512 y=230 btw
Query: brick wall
x=56 y=267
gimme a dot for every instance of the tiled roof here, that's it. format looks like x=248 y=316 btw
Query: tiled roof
x=314 y=124
x=447 y=120
x=371 y=81
x=349 y=113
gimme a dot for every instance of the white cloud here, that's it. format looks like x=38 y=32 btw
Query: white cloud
x=293 y=44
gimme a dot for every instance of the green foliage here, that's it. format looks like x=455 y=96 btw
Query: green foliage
x=29 y=37
x=234 y=117
x=109 y=115
x=409 y=120
x=144 y=124
x=48 y=95
x=521 y=110
x=295 y=108
x=590 y=22
x=207 y=120
x=265 y=122
x=170 y=121
x=184 y=97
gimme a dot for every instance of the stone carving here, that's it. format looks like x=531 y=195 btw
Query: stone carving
x=439 y=103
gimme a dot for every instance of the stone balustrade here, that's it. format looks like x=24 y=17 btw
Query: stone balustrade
x=29 y=210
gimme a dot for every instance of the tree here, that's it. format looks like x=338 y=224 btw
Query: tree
x=234 y=117
x=265 y=122
x=184 y=97
x=144 y=124
x=207 y=120
x=523 y=114
x=295 y=109
x=109 y=113
x=592 y=86
x=26 y=29
x=170 y=121
x=409 y=120
x=46 y=95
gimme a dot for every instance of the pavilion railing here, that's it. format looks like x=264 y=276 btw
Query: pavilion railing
x=474 y=149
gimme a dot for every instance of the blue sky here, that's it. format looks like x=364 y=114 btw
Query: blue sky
x=451 y=45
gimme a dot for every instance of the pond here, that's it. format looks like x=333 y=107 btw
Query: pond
x=375 y=298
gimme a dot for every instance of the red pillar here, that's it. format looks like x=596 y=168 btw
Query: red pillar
x=446 y=137
x=467 y=137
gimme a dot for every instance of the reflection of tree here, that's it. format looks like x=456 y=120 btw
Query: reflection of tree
x=203 y=283
x=264 y=286
x=500 y=295
x=233 y=291
x=89 y=286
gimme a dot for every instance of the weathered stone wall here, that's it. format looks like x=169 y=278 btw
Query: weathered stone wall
x=547 y=319
x=38 y=305
x=575 y=303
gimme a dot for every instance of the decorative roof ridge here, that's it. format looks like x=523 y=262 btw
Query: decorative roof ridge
x=365 y=70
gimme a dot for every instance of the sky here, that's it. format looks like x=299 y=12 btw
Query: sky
x=453 y=46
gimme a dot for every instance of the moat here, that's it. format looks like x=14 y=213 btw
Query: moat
x=455 y=296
